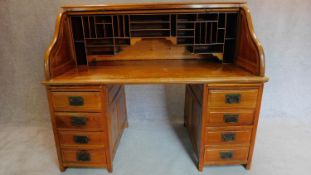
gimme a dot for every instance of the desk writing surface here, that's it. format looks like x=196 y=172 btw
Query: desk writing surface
x=156 y=71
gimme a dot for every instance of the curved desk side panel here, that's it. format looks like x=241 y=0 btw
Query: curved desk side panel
x=250 y=54
x=59 y=57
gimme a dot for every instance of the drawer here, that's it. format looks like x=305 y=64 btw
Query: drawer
x=77 y=101
x=80 y=121
x=70 y=138
x=246 y=98
x=87 y=157
x=226 y=155
x=224 y=117
x=228 y=136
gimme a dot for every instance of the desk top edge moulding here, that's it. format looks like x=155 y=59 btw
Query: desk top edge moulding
x=209 y=46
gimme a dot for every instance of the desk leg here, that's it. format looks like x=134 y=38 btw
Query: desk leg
x=110 y=168
x=62 y=168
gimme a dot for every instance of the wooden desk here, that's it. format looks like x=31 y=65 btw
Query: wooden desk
x=210 y=47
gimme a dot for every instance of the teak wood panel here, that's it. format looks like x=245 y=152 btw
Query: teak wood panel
x=218 y=137
x=193 y=118
x=247 y=98
x=213 y=155
x=86 y=121
x=71 y=139
x=217 y=117
x=117 y=117
x=91 y=101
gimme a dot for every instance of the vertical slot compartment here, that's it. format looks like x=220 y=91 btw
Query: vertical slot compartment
x=127 y=25
x=173 y=25
x=197 y=33
x=229 y=51
x=214 y=32
x=231 y=25
x=119 y=26
x=80 y=53
x=92 y=27
x=221 y=20
x=86 y=26
x=104 y=30
x=221 y=36
x=77 y=28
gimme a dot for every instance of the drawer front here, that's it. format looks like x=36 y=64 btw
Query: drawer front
x=77 y=101
x=246 y=98
x=93 y=156
x=69 y=138
x=226 y=155
x=221 y=137
x=80 y=121
x=224 y=117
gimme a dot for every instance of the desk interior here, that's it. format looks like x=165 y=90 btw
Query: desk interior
x=156 y=71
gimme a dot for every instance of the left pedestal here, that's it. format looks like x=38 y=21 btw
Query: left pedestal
x=88 y=122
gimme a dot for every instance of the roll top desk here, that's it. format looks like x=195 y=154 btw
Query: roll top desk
x=210 y=47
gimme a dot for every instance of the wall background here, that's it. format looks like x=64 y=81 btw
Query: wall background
x=26 y=28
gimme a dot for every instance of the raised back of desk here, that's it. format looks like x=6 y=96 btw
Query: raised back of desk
x=211 y=47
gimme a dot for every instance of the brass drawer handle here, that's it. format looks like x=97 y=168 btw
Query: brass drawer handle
x=76 y=101
x=231 y=118
x=78 y=121
x=81 y=139
x=228 y=137
x=225 y=155
x=232 y=98
x=83 y=156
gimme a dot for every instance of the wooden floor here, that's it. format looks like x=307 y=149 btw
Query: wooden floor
x=156 y=72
